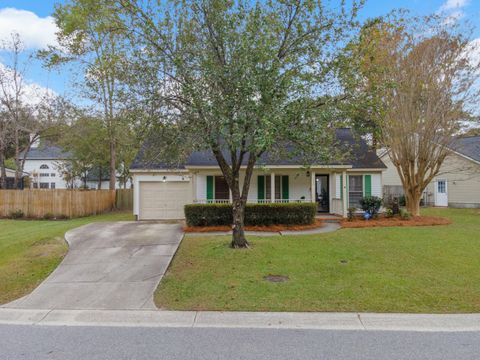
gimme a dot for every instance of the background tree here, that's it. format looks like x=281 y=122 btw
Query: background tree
x=26 y=111
x=90 y=38
x=85 y=141
x=418 y=77
x=238 y=78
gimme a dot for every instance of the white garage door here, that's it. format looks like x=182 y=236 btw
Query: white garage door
x=164 y=200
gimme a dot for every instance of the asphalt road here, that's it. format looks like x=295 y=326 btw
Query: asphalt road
x=59 y=342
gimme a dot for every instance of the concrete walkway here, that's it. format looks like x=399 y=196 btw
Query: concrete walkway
x=262 y=320
x=327 y=227
x=109 y=266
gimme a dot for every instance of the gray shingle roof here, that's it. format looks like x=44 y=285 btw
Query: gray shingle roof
x=48 y=152
x=362 y=156
x=468 y=146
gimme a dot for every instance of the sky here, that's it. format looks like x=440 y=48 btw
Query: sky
x=32 y=20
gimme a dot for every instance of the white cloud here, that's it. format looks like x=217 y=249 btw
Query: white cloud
x=454 y=4
x=473 y=52
x=35 y=32
x=31 y=92
x=452 y=10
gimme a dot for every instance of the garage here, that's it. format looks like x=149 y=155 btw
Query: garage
x=163 y=200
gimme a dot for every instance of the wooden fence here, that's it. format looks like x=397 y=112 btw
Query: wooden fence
x=37 y=203
x=124 y=199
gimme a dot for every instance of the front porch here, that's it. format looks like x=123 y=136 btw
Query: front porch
x=321 y=186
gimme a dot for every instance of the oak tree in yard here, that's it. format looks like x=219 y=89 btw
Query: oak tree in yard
x=419 y=75
x=239 y=78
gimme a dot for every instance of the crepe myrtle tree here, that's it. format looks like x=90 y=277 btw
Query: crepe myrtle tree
x=419 y=77
x=240 y=79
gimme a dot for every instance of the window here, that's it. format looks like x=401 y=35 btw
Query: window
x=355 y=190
x=45 y=174
x=52 y=185
x=43 y=185
x=35 y=185
x=221 y=189
x=52 y=175
x=44 y=166
x=217 y=189
x=268 y=187
x=441 y=188
x=281 y=187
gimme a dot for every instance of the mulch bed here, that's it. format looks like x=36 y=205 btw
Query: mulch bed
x=271 y=228
x=395 y=221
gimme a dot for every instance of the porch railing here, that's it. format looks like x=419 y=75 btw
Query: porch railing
x=249 y=201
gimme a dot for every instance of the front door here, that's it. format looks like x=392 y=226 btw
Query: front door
x=441 y=193
x=322 y=194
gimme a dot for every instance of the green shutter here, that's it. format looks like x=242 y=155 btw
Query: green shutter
x=209 y=188
x=341 y=186
x=368 y=185
x=261 y=187
x=285 y=194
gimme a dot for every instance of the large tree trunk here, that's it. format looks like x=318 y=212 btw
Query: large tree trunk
x=100 y=176
x=412 y=199
x=113 y=163
x=17 y=160
x=3 y=172
x=238 y=236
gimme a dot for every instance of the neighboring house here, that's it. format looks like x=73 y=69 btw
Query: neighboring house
x=45 y=162
x=161 y=192
x=457 y=184
x=11 y=179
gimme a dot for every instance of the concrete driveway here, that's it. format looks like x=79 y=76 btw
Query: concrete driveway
x=110 y=266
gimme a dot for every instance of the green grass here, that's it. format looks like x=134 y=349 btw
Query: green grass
x=398 y=269
x=31 y=249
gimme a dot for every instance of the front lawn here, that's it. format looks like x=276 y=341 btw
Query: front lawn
x=31 y=249
x=432 y=269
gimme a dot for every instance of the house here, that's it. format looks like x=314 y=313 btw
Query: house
x=458 y=182
x=11 y=179
x=161 y=192
x=46 y=164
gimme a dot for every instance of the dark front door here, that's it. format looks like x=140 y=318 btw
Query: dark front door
x=322 y=195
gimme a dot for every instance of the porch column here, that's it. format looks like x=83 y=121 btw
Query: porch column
x=272 y=187
x=344 y=193
x=313 y=187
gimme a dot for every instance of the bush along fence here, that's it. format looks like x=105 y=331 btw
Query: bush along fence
x=48 y=203
x=255 y=214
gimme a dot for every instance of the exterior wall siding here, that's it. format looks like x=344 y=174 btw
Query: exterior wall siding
x=463 y=181
x=377 y=185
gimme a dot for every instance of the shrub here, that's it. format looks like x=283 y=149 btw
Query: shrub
x=392 y=203
x=405 y=214
x=371 y=204
x=16 y=214
x=351 y=213
x=208 y=214
x=402 y=201
x=389 y=213
x=255 y=214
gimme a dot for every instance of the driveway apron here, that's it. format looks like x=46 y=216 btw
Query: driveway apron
x=110 y=266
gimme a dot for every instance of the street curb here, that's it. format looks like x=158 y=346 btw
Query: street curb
x=259 y=320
